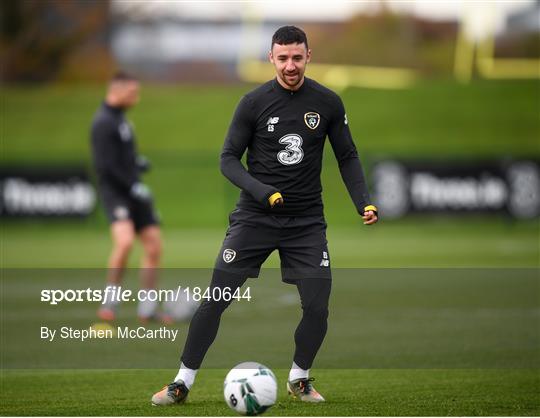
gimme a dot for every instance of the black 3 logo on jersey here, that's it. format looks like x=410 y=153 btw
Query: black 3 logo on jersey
x=293 y=152
x=312 y=120
x=125 y=131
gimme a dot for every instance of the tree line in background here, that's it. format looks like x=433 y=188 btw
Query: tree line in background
x=55 y=40
x=48 y=40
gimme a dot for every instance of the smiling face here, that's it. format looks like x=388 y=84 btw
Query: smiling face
x=290 y=63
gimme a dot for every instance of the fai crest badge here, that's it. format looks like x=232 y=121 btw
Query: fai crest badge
x=228 y=255
x=312 y=120
x=120 y=213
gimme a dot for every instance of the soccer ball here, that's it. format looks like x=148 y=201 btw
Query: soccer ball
x=250 y=388
x=180 y=309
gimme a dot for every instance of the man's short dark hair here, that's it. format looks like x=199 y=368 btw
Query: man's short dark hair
x=287 y=35
x=121 y=76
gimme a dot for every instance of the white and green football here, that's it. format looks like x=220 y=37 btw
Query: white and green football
x=250 y=388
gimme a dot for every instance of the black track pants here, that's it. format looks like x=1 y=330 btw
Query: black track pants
x=309 y=335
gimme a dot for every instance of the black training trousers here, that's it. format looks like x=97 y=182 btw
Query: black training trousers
x=309 y=335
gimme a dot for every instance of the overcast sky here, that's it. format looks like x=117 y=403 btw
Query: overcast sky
x=310 y=10
x=481 y=17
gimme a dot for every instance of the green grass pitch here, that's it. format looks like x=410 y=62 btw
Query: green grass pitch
x=349 y=393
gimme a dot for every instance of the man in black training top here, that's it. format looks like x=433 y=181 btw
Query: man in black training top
x=283 y=125
x=128 y=201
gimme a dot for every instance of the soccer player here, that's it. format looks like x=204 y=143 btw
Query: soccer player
x=283 y=125
x=128 y=202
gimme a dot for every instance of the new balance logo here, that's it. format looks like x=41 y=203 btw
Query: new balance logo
x=271 y=122
x=325 y=262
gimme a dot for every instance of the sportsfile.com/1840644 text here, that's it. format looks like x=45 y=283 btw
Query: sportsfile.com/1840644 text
x=119 y=294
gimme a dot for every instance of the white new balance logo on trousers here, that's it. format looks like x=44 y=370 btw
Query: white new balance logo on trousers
x=325 y=262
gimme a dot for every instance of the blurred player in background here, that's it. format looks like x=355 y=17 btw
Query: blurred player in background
x=283 y=125
x=128 y=202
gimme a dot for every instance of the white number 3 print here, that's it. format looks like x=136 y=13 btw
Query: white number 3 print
x=293 y=152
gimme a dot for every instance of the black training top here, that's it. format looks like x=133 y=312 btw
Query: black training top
x=114 y=151
x=284 y=133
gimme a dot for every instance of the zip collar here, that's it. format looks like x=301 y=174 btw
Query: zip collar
x=280 y=89
x=113 y=109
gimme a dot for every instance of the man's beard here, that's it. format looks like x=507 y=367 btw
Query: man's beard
x=297 y=79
